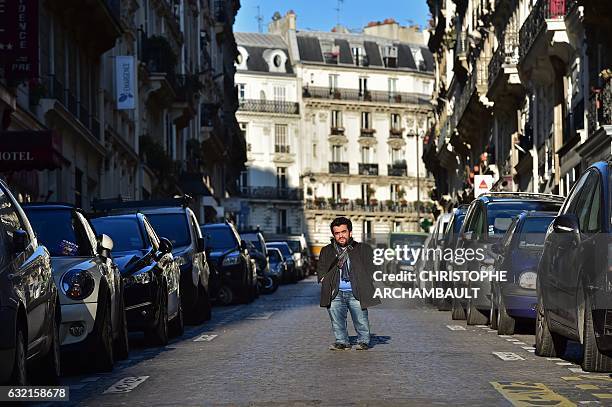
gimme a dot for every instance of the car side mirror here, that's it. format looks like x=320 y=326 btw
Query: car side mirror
x=20 y=241
x=566 y=223
x=105 y=245
x=165 y=245
x=201 y=243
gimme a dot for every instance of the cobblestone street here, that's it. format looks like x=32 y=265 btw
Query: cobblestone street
x=275 y=352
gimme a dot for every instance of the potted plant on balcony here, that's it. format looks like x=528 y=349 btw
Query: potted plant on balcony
x=336 y=94
x=403 y=203
x=398 y=98
x=331 y=202
x=319 y=201
x=344 y=201
x=367 y=96
x=373 y=202
x=359 y=202
x=390 y=203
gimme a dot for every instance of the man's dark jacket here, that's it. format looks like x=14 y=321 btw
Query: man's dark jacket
x=362 y=268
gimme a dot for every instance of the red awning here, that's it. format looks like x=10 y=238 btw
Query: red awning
x=30 y=150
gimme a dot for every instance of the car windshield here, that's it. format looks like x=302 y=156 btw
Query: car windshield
x=458 y=222
x=408 y=240
x=285 y=250
x=533 y=233
x=294 y=245
x=275 y=257
x=125 y=233
x=60 y=232
x=173 y=227
x=219 y=238
x=500 y=215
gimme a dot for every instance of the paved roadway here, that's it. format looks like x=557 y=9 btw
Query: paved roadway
x=275 y=352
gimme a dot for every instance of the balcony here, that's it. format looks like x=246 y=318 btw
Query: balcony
x=336 y=167
x=396 y=133
x=374 y=96
x=104 y=15
x=267 y=193
x=367 y=132
x=268 y=106
x=368 y=169
x=160 y=60
x=337 y=131
x=282 y=149
x=600 y=107
x=398 y=169
x=542 y=17
x=360 y=205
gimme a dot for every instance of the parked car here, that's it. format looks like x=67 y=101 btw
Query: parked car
x=435 y=262
x=486 y=221
x=278 y=265
x=29 y=306
x=93 y=318
x=234 y=278
x=573 y=286
x=292 y=275
x=301 y=254
x=518 y=254
x=411 y=240
x=449 y=242
x=150 y=276
x=174 y=220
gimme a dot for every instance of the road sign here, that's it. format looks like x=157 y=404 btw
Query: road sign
x=482 y=184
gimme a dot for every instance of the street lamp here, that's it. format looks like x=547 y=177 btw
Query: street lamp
x=418 y=135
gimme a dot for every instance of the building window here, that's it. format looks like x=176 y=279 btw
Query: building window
x=336 y=119
x=336 y=153
x=280 y=93
x=366 y=155
x=244 y=180
x=397 y=154
x=314 y=150
x=392 y=87
x=241 y=91
x=367 y=193
x=282 y=221
x=395 y=195
x=277 y=61
x=366 y=120
x=337 y=191
x=363 y=86
x=396 y=121
x=397 y=226
x=367 y=230
x=333 y=82
x=358 y=55
x=281 y=144
x=281 y=177
x=390 y=57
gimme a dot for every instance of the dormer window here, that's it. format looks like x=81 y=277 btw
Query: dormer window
x=276 y=60
x=242 y=59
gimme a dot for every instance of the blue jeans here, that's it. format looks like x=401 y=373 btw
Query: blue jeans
x=337 y=312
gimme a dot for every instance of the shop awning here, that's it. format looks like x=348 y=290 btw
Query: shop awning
x=30 y=150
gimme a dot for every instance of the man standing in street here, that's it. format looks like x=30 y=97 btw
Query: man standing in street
x=345 y=271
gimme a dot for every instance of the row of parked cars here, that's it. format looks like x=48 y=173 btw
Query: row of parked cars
x=558 y=256
x=75 y=283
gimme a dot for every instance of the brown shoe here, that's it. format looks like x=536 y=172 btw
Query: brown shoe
x=339 y=346
x=363 y=346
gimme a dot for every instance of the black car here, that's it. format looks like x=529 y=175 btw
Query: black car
x=90 y=289
x=292 y=274
x=574 y=274
x=234 y=276
x=150 y=275
x=29 y=305
x=518 y=254
x=174 y=220
x=486 y=222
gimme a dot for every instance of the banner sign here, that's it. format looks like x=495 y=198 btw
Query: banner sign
x=19 y=38
x=125 y=80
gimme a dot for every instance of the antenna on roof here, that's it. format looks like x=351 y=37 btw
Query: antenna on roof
x=259 y=19
x=338 y=9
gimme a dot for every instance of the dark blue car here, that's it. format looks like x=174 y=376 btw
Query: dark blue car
x=518 y=254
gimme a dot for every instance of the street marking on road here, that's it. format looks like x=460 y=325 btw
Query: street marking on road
x=530 y=394
x=564 y=363
x=520 y=343
x=205 y=338
x=505 y=336
x=577 y=370
x=126 y=385
x=588 y=386
x=603 y=395
x=456 y=327
x=508 y=356
x=260 y=315
x=481 y=326
x=528 y=347
x=512 y=340
x=559 y=359
x=572 y=378
x=531 y=350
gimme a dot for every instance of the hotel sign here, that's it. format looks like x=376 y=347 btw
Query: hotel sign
x=19 y=38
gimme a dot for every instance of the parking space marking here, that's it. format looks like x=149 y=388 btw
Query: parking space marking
x=481 y=326
x=505 y=336
x=531 y=350
x=565 y=363
x=508 y=356
x=577 y=370
x=603 y=395
x=530 y=394
x=572 y=378
x=588 y=387
x=557 y=359
x=260 y=315
x=512 y=340
x=126 y=385
x=456 y=327
x=520 y=343
x=528 y=347
x=205 y=338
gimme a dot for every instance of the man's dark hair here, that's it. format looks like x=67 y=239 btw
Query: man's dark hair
x=341 y=221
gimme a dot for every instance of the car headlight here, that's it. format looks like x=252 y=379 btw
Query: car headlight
x=528 y=280
x=140 y=277
x=231 y=260
x=78 y=284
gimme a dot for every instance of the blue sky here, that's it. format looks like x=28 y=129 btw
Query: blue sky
x=321 y=15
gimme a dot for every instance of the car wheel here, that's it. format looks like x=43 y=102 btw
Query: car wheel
x=202 y=310
x=547 y=343
x=122 y=344
x=19 y=377
x=177 y=326
x=51 y=366
x=505 y=323
x=225 y=295
x=474 y=316
x=268 y=285
x=105 y=359
x=158 y=334
x=457 y=311
x=593 y=360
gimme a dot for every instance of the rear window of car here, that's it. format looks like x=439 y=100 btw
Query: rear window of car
x=500 y=215
x=407 y=240
x=173 y=227
x=125 y=232
x=283 y=248
x=219 y=238
x=59 y=231
x=533 y=233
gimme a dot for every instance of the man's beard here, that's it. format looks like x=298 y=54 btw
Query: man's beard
x=346 y=241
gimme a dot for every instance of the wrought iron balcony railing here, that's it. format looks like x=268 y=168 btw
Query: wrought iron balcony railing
x=336 y=167
x=371 y=205
x=367 y=96
x=536 y=22
x=368 y=169
x=268 y=106
x=271 y=193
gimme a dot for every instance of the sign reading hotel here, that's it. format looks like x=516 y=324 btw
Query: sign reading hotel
x=125 y=80
x=19 y=38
